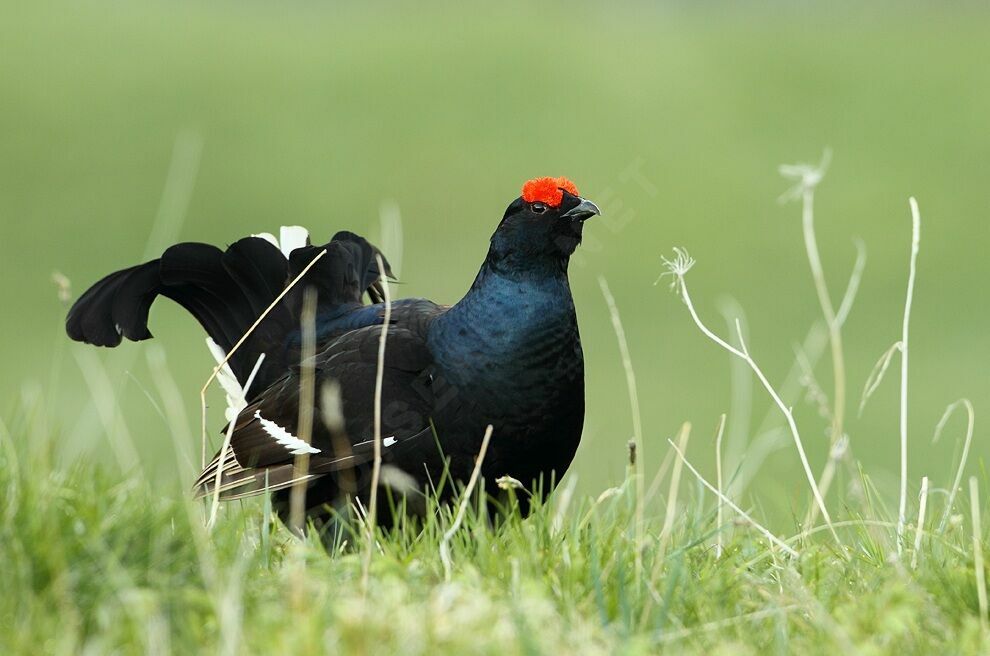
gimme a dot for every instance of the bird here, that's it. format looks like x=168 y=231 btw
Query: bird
x=506 y=355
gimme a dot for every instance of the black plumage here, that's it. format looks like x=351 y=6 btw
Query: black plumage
x=507 y=354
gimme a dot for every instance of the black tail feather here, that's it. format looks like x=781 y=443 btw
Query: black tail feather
x=196 y=277
x=365 y=260
x=341 y=277
x=226 y=291
x=99 y=318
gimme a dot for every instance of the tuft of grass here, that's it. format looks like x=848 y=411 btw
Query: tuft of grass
x=100 y=562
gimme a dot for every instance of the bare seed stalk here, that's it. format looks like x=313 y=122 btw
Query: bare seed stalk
x=877 y=374
x=376 y=470
x=957 y=482
x=307 y=398
x=915 y=241
x=462 y=507
x=620 y=335
x=852 y=287
x=920 y=528
x=831 y=320
x=675 y=481
x=215 y=504
x=848 y=523
x=678 y=268
x=835 y=453
x=812 y=345
x=718 y=476
x=981 y=582
x=727 y=501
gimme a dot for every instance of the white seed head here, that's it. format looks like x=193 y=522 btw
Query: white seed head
x=677 y=266
x=508 y=483
x=805 y=176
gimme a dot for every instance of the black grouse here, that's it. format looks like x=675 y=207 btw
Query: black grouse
x=507 y=354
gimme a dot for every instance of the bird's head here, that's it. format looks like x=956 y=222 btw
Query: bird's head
x=544 y=224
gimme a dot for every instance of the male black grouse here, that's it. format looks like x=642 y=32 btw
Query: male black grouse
x=507 y=354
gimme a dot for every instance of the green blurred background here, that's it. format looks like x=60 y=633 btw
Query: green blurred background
x=127 y=126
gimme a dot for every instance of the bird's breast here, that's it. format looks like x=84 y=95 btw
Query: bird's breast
x=511 y=355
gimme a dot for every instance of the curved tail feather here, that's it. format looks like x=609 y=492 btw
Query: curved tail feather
x=226 y=291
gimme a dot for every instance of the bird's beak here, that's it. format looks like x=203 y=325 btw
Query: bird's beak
x=583 y=211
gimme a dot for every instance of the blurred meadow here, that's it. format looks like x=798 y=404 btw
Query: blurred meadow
x=125 y=127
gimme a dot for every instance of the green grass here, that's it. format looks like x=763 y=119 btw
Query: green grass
x=96 y=561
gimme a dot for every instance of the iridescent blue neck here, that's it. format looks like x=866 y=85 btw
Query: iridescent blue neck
x=505 y=324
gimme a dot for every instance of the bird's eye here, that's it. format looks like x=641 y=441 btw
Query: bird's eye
x=538 y=208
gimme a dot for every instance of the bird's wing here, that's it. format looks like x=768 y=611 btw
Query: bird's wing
x=265 y=442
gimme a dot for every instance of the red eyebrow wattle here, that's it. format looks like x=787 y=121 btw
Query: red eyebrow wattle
x=548 y=190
